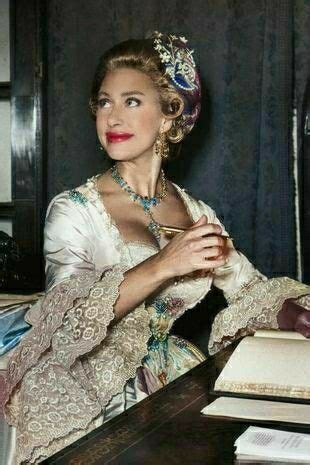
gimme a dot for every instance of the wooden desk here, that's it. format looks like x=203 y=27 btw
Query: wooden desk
x=166 y=428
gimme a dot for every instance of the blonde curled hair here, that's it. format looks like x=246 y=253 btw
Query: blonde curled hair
x=140 y=55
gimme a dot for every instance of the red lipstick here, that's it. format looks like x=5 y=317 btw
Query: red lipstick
x=114 y=137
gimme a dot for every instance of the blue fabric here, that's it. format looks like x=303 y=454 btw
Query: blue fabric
x=12 y=328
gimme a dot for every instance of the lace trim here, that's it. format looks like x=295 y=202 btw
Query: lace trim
x=245 y=287
x=46 y=316
x=264 y=389
x=123 y=350
x=255 y=307
x=79 y=366
x=304 y=301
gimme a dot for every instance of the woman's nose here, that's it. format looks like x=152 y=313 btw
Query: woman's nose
x=114 y=116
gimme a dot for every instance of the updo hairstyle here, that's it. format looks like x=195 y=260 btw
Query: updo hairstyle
x=140 y=55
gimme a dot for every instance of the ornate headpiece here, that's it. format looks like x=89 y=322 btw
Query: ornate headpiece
x=182 y=71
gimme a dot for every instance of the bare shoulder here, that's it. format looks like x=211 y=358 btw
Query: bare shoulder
x=105 y=184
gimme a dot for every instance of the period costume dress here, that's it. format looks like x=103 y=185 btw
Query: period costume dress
x=73 y=370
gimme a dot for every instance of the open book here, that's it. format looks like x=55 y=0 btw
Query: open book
x=271 y=363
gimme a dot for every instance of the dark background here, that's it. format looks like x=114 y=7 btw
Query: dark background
x=254 y=62
x=238 y=159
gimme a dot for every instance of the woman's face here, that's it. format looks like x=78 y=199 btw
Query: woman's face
x=129 y=115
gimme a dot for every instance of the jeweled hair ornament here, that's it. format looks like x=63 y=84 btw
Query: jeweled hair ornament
x=182 y=71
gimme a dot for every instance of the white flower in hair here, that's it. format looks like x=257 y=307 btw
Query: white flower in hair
x=178 y=60
x=165 y=57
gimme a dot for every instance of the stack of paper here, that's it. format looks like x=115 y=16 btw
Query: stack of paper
x=253 y=409
x=273 y=445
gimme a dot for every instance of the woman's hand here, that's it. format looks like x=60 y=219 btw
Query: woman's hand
x=200 y=247
x=294 y=317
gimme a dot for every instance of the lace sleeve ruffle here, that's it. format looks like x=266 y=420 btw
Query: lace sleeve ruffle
x=71 y=362
x=254 y=306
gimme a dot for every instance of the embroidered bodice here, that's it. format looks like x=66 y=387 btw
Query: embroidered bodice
x=171 y=302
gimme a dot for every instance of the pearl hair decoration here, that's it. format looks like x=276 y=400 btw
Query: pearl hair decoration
x=181 y=70
x=178 y=60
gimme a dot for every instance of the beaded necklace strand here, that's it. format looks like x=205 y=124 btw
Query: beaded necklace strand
x=146 y=202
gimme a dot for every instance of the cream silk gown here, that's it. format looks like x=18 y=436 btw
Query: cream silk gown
x=73 y=370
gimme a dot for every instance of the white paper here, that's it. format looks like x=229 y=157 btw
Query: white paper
x=259 y=410
x=279 y=334
x=269 y=443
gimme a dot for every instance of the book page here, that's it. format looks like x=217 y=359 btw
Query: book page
x=280 y=334
x=253 y=409
x=268 y=366
x=269 y=443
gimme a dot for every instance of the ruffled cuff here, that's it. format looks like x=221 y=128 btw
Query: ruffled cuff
x=49 y=314
x=254 y=306
x=304 y=301
x=72 y=362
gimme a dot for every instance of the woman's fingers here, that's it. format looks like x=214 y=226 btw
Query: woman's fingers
x=200 y=247
x=213 y=263
x=203 y=230
x=202 y=220
x=212 y=252
x=210 y=241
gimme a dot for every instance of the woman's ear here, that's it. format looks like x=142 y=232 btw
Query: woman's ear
x=166 y=125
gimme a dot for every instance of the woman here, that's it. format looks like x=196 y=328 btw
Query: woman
x=100 y=340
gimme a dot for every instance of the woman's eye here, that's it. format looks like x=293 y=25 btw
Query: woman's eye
x=103 y=103
x=133 y=102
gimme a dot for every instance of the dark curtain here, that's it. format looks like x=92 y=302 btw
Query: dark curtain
x=301 y=62
x=302 y=104
x=237 y=159
x=242 y=164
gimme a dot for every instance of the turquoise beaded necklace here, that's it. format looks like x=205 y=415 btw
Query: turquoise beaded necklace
x=146 y=202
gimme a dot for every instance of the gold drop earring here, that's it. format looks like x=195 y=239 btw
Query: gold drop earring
x=161 y=148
